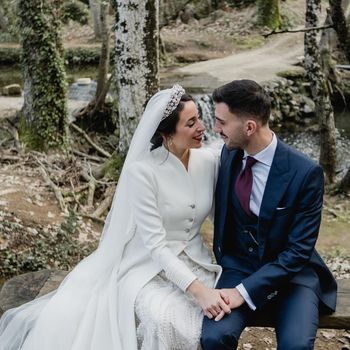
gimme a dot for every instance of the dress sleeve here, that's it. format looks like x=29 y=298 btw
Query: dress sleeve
x=142 y=188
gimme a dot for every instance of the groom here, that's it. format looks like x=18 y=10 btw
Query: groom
x=267 y=218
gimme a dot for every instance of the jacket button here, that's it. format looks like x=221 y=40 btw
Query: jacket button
x=190 y=219
x=250 y=249
x=192 y=206
x=219 y=250
x=187 y=230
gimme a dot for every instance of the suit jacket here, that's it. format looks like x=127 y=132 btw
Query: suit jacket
x=288 y=226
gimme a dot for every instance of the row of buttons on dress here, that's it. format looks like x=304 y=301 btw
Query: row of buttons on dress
x=192 y=206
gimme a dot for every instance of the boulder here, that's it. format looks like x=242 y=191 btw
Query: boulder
x=24 y=288
x=12 y=90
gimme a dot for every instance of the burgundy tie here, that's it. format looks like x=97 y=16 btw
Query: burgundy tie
x=244 y=184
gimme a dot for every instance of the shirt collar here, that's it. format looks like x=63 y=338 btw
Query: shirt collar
x=266 y=155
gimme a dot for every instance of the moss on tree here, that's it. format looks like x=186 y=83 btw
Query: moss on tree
x=269 y=13
x=45 y=102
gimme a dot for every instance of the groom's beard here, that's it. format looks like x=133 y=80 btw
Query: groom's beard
x=239 y=142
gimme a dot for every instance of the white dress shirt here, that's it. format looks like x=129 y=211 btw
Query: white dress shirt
x=260 y=170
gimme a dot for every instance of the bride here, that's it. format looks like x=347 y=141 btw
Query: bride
x=151 y=279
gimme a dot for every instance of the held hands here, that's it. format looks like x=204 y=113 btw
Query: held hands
x=210 y=300
x=234 y=298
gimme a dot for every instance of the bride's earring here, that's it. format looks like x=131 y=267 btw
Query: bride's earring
x=170 y=141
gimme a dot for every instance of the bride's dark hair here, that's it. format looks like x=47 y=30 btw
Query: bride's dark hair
x=168 y=125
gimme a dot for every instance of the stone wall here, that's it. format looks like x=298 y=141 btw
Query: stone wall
x=291 y=102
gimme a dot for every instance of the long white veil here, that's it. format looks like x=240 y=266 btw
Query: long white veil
x=82 y=313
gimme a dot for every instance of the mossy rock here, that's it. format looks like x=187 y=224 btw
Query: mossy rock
x=24 y=288
x=296 y=73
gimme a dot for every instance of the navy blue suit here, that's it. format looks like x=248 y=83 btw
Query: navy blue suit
x=283 y=259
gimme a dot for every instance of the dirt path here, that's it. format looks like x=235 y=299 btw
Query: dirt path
x=280 y=53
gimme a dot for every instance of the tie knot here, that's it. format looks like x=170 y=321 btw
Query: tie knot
x=250 y=162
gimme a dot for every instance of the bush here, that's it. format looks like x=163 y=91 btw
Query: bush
x=34 y=249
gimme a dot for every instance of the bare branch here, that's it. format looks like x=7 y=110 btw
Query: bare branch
x=297 y=30
x=105 y=204
x=90 y=157
x=92 y=143
x=55 y=188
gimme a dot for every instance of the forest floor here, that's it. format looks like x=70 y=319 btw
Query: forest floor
x=229 y=47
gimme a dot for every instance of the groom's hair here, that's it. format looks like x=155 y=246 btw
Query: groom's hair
x=245 y=98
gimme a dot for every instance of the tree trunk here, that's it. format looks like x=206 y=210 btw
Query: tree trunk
x=269 y=13
x=136 y=62
x=104 y=58
x=320 y=93
x=327 y=63
x=340 y=26
x=45 y=102
x=95 y=12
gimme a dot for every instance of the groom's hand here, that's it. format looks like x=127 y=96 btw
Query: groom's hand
x=233 y=299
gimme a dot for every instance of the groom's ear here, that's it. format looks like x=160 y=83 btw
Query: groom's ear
x=250 y=126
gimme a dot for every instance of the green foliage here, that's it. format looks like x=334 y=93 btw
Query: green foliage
x=269 y=14
x=114 y=166
x=241 y=3
x=9 y=8
x=42 y=61
x=82 y=56
x=73 y=57
x=59 y=248
x=9 y=56
x=75 y=11
x=28 y=136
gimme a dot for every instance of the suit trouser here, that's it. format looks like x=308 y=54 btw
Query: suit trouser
x=294 y=312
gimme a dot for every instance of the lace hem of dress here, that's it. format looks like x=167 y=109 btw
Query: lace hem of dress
x=168 y=318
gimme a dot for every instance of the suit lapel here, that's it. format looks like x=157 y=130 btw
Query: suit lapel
x=276 y=185
x=229 y=160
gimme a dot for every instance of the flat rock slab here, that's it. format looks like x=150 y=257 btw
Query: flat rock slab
x=24 y=288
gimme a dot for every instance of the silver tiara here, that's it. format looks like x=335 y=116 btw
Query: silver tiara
x=176 y=93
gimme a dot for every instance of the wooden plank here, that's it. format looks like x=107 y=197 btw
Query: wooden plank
x=339 y=320
x=26 y=287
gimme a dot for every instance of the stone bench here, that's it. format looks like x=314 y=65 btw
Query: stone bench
x=23 y=288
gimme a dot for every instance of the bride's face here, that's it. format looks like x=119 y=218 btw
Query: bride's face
x=189 y=129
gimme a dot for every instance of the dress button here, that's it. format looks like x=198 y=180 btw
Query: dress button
x=192 y=206
x=250 y=249
x=187 y=230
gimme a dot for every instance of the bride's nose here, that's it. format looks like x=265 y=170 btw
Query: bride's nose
x=200 y=126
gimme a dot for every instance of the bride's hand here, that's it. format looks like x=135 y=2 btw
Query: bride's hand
x=209 y=299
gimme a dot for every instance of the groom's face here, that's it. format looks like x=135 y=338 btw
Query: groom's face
x=230 y=127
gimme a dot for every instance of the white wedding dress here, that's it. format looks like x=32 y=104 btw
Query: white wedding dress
x=150 y=239
x=170 y=205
